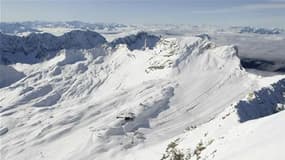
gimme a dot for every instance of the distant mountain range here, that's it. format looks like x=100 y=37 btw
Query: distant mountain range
x=18 y=28
x=257 y=30
x=34 y=26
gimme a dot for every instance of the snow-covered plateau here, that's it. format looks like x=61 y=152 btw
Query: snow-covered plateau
x=166 y=93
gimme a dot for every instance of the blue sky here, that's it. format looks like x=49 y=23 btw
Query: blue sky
x=268 y=13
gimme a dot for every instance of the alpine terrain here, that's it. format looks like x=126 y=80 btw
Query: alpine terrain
x=80 y=91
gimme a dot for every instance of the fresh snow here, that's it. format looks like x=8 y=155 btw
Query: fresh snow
x=130 y=97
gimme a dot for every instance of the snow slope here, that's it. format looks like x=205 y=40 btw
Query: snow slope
x=120 y=101
x=226 y=138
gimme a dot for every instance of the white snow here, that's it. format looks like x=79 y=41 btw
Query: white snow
x=74 y=105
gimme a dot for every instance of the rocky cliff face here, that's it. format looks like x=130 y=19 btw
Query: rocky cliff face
x=141 y=40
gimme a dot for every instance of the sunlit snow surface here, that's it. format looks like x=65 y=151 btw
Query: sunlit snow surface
x=186 y=88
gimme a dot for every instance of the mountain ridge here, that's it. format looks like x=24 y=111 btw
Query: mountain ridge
x=44 y=45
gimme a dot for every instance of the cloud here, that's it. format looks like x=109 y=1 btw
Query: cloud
x=263 y=6
x=277 y=0
x=246 y=7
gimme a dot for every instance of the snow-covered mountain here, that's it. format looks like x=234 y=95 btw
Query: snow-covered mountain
x=259 y=30
x=38 y=47
x=136 y=97
x=74 y=25
x=35 y=47
x=15 y=28
x=28 y=27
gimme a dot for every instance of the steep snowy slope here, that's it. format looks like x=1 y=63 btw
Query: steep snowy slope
x=117 y=101
x=226 y=138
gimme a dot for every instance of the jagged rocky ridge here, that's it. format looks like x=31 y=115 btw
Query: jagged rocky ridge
x=141 y=40
x=262 y=103
x=44 y=45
